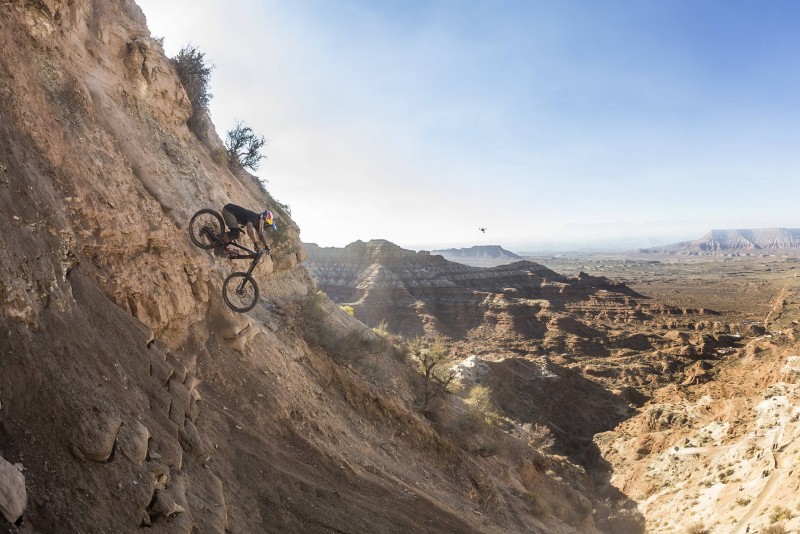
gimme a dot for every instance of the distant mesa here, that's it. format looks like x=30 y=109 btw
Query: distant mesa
x=479 y=256
x=736 y=242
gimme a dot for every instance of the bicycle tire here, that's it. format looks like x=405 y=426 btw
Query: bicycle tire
x=240 y=295
x=207 y=219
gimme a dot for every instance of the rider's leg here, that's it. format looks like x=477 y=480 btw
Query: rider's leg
x=230 y=219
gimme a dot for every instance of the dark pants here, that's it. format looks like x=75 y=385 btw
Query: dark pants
x=230 y=219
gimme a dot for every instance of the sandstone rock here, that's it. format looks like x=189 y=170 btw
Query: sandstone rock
x=164 y=505
x=180 y=401
x=754 y=330
x=97 y=433
x=244 y=337
x=13 y=497
x=192 y=442
x=132 y=441
x=191 y=381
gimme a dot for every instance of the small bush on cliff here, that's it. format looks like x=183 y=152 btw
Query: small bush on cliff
x=244 y=146
x=480 y=400
x=437 y=377
x=779 y=513
x=697 y=528
x=194 y=73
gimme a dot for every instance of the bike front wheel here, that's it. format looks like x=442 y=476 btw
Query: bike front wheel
x=205 y=227
x=240 y=292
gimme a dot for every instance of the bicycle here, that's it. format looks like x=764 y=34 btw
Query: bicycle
x=205 y=230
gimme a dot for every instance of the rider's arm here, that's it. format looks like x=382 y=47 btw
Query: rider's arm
x=264 y=241
x=260 y=231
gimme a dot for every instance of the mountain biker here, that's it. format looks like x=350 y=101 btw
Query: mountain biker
x=254 y=223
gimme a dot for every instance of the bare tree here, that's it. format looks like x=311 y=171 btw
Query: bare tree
x=244 y=146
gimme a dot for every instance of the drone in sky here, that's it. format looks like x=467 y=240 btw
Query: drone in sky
x=482 y=230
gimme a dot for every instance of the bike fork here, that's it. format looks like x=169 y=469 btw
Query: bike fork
x=249 y=273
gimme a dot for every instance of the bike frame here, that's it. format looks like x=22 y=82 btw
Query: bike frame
x=251 y=255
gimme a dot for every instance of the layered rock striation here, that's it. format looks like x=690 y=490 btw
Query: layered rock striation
x=418 y=293
x=746 y=241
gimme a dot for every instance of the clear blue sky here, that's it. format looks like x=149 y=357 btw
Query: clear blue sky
x=551 y=123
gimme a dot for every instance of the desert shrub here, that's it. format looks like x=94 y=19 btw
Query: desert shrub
x=194 y=73
x=774 y=529
x=480 y=400
x=697 y=528
x=437 y=377
x=284 y=207
x=382 y=329
x=244 y=147
x=537 y=436
x=348 y=309
x=779 y=513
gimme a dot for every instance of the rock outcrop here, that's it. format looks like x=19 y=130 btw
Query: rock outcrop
x=417 y=293
x=13 y=497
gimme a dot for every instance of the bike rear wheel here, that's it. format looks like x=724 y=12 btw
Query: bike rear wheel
x=240 y=292
x=204 y=227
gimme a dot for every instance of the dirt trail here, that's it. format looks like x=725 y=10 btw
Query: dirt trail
x=778 y=303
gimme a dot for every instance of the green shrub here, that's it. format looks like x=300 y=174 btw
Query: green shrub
x=194 y=74
x=382 y=329
x=480 y=399
x=348 y=310
x=244 y=147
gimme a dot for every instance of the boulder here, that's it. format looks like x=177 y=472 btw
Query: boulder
x=132 y=441
x=96 y=433
x=13 y=497
x=164 y=505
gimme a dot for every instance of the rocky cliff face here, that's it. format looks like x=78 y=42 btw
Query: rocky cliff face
x=424 y=294
x=129 y=395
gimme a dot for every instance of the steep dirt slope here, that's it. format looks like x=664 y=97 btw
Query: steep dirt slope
x=130 y=396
